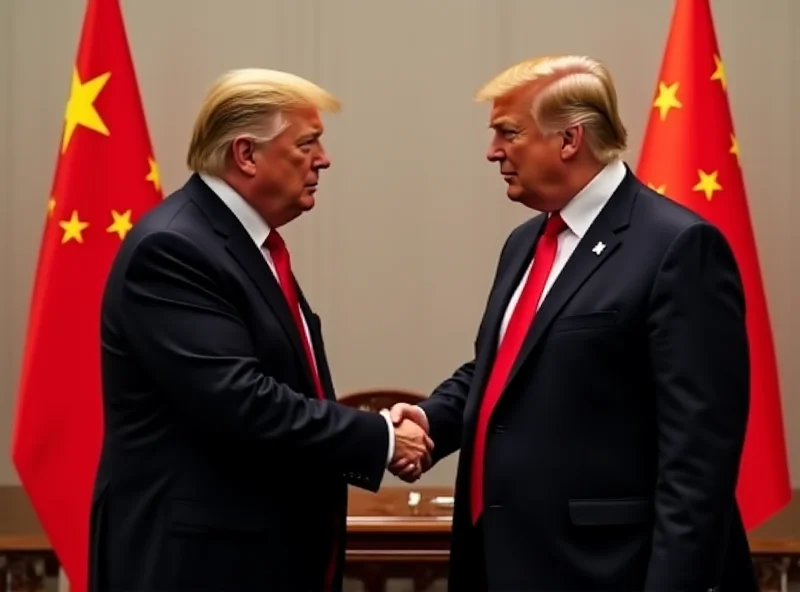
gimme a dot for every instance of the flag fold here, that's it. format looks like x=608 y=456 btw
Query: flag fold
x=106 y=177
x=691 y=154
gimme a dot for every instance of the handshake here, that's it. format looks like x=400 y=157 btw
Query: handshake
x=412 y=445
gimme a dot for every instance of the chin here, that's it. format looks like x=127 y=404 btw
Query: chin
x=307 y=202
x=514 y=194
x=524 y=198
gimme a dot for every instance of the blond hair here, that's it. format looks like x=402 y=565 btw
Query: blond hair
x=248 y=101
x=578 y=91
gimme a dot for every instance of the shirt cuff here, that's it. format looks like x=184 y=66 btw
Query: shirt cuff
x=390 y=451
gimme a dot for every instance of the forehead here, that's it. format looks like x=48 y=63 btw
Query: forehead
x=513 y=107
x=304 y=120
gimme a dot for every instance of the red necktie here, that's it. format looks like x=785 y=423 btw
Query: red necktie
x=507 y=352
x=280 y=257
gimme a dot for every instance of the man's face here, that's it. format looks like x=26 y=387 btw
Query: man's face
x=287 y=169
x=530 y=162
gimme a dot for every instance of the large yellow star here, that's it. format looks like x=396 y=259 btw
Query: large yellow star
x=719 y=73
x=154 y=176
x=122 y=223
x=660 y=189
x=51 y=206
x=73 y=228
x=80 y=107
x=667 y=99
x=708 y=183
x=734 y=147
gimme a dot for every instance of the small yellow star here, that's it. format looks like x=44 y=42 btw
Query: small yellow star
x=667 y=99
x=80 y=107
x=734 y=147
x=154 y=176
x=73 y=228
x=51 y=206
x=660 y=189
x=719 y=73
x=708 y=183
x=122 y=223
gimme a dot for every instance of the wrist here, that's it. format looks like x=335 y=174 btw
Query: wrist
x=391 y=436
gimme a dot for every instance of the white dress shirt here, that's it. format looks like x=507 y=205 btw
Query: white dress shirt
x=259 y=230
x=578 y=214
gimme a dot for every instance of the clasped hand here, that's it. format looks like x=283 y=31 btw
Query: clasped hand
x=412 y=445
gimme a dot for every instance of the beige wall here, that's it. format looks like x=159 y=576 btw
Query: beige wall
x=398 y=255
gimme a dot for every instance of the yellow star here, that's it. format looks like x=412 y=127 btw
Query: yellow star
x=660 y=189
x=667 y=99
x=51 y=206
x=80 y=107
x=73 y=228
x=719 y=73
x=122 y=223
x=708 y=183
x=154 y=176
x=734 y=147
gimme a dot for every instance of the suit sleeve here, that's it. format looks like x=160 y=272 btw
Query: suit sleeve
x=445 y=411
x=445 y=406
x=193 y=343
x=700 y=361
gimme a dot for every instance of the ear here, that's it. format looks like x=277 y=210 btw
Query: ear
x=571 y=140
x=243 y=152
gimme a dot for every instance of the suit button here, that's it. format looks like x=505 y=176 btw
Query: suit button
x=499 y=428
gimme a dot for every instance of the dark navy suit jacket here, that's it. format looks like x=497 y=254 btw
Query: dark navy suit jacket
x=613 y=453
x=221 y=470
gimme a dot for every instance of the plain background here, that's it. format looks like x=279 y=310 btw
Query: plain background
x=398 y=255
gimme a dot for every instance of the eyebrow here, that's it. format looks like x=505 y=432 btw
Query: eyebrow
x=503 y=121
x=310 y=136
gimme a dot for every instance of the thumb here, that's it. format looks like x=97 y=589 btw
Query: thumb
x=398 y=412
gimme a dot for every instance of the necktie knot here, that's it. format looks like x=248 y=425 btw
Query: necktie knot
x=274 y=242
x=555 y=225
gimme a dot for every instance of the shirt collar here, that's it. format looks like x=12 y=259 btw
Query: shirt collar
x=581 y=211
x=253 y=223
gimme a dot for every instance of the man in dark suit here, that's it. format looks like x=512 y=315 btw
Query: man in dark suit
x=226 y=459
x=602 y=418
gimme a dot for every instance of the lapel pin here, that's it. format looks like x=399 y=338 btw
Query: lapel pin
x=598 y=248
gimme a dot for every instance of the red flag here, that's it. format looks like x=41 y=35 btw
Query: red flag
x=690 y=154
x=105 y=179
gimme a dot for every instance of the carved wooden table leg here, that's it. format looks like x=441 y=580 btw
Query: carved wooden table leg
x=3 y=573
x=26 y=573
x=773 y=573
x=370 y=575
x=424 y=577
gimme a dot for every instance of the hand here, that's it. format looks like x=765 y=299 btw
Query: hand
x=401 y=411
x=412 y=451
x=408 y=468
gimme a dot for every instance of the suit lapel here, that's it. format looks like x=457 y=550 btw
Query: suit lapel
x=247 y=254
x=315 y=331
x=518 y=263
x=597 y=246
x=252 y=261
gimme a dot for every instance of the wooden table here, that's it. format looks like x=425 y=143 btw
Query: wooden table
x=387 y=538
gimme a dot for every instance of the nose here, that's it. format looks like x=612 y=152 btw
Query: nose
x=494 y=153
x=323 y=162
